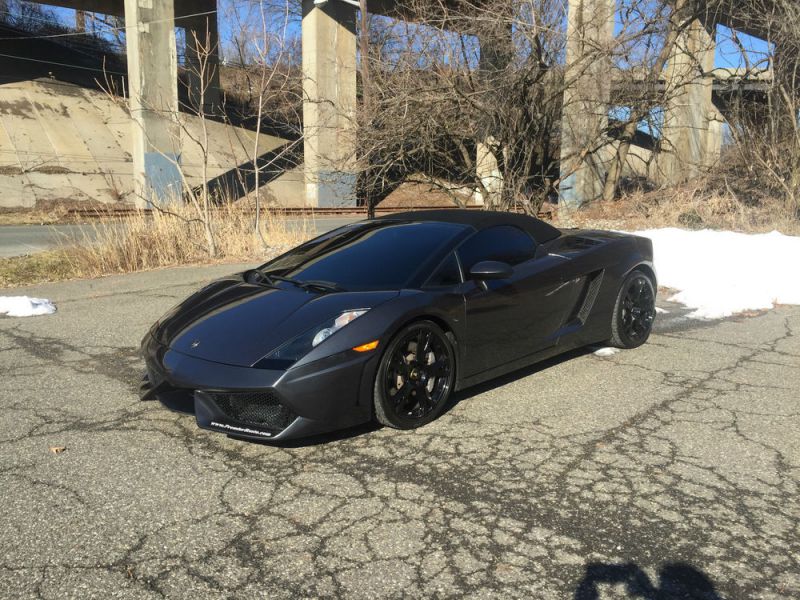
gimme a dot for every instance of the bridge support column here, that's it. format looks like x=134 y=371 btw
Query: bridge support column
x=587 y=96
x=202 y=57
x=714 y=137
x=153 y=97
x=488 y=170
x=496 y=51
x=692 y=136
x=329 y=103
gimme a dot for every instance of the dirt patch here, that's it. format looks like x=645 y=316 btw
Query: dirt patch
x=52 y=170
x=17 y=108
x=416 y=195
x=689 y=206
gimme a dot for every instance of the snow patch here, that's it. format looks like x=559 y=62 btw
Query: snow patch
x=661 y=311
x=23 y=306
x=606 y=351
x=721 y=273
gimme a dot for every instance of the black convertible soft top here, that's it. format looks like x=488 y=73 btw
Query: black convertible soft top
x=481 y=219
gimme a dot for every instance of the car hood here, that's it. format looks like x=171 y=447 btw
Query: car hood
x=238 y=323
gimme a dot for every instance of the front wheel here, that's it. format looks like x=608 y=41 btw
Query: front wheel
x=415 y=377
x=634 y=311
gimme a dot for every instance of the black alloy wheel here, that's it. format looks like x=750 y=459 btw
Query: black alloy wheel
x=415 y=376
x=635 y=311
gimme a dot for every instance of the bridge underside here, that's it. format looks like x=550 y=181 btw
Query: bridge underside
x=692 y=132
x=730 y=14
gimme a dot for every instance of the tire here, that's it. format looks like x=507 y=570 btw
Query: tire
x=415 y=377
x=634 y=311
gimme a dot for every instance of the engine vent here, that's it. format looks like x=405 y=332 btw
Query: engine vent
x=254 y=408
x=583 y=243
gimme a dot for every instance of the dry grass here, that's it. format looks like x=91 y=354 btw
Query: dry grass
x=36 y=268
x=687 y=207
x=142 y=242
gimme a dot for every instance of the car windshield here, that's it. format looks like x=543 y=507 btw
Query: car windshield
x=366 y=256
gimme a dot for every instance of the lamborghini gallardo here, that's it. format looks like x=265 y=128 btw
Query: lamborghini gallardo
x=385 y=319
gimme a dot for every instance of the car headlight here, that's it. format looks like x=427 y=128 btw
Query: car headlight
x=298 y=347
x=339 y=322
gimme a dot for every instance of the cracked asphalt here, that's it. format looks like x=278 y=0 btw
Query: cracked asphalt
x=670 y=471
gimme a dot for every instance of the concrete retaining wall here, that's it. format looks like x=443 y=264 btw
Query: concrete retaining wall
x=61 y=142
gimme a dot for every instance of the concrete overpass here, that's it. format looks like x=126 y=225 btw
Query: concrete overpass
x=692 y=129
x=153 y=81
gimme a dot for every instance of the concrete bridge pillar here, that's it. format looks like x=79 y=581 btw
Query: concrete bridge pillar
x=202 y=57
x=329 y=103
x=488 y=170
x=153 y=91
x=496 y=52
x=714 y=137
x=587 y=97
x=692 y=136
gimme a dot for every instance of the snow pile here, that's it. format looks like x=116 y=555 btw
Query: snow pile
x=720 y=273
x=23 y=306
x=608 y=351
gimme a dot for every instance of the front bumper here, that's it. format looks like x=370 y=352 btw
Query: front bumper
x=326 y=395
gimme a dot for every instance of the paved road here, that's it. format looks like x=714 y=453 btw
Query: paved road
x=673 y=469
x=16 y=240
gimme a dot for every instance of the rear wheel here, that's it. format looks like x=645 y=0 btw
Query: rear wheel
x=415 y=377
x=634 y=311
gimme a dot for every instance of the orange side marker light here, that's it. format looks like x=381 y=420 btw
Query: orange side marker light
x=366 y=347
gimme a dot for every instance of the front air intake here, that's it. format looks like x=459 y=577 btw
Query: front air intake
x=254 y=408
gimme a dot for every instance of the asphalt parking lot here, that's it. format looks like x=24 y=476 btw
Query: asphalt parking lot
x=671 y=471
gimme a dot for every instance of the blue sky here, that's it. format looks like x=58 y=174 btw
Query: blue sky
x=730 y=56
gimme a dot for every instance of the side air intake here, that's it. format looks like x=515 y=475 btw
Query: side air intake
x=589 y=296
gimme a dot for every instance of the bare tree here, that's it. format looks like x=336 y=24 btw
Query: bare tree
x=268 y=65
x=202 y=201
x=763 y=113
x=266 y=53
x=470 y=96
x=272 y=92
x=643 y=48
x=451 y=81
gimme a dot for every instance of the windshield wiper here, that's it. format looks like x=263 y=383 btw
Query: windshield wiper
x=257 y=277
x=324 y=286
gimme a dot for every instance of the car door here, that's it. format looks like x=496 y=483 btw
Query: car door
x=512 y=318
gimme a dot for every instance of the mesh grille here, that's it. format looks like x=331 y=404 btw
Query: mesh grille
x=256 y=408
x=591 y=296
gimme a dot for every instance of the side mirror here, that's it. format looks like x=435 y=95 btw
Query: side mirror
x=490 y=269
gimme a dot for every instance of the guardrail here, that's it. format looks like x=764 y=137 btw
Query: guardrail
x=117 y=212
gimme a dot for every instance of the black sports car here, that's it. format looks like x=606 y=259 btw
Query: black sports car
x=384 y=319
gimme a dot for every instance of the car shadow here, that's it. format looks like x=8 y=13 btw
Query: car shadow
x=675 y=581
x=460 y=396
x=487 y=386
